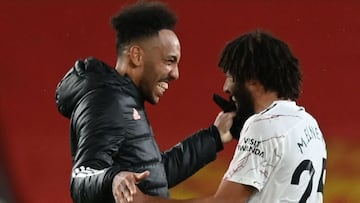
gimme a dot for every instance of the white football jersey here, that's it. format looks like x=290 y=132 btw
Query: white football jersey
x=282 y=153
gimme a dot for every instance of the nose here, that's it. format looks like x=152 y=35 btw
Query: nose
x=174 y=73
x=226 y=89
x=228 y=85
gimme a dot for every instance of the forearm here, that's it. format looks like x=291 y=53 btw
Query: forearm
x=210 y=199
x=84 y=189
x=186 y=158
x=91 y=186
x=152 y=199
x=228 y=192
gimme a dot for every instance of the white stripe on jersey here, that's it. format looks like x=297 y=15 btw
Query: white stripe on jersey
x=83 y=172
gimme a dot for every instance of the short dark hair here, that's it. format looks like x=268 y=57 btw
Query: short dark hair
x=260 y=56
x=140 y=20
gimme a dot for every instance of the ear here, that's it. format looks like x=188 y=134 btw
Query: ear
x=252 y=82
x=255 y=85
x=135 y=55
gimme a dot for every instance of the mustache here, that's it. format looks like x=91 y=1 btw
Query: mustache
x=245 y=108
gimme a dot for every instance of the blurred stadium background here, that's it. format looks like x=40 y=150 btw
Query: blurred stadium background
x=40 y=40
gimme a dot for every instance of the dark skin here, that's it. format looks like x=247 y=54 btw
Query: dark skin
x=152 y=64
x=227 y=192
x=124 y=184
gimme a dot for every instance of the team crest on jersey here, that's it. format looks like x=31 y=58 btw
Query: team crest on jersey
x=136 y=114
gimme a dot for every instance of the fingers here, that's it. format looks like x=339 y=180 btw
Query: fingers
x=224 y=122
x=141 y=176
x=231 y=114
x=124 y=185
x=119 y=196
x=122 y=193
x=131 y=187
x=128 y=190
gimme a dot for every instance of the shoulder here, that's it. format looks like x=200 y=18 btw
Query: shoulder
x=278 y=118
x=259 y=125
x=104 y=95
x=105 y=101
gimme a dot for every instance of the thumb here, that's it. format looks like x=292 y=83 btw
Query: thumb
x=141 y=176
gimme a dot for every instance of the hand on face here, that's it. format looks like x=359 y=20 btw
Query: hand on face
x=242 y=97
x=224 y=122
x=124 y=185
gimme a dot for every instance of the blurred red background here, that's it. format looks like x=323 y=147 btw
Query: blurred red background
x=40 y=40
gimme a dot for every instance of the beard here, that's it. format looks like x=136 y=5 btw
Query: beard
x=245 y=107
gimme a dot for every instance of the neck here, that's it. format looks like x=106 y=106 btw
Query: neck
x=123 y=68
x=264 y=100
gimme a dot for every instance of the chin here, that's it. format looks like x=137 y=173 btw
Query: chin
x=153 y=100
x=156 y=101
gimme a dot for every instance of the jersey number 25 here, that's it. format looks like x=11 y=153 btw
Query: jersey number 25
x=307 y=165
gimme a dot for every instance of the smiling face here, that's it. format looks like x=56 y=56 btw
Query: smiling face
x=161 y=55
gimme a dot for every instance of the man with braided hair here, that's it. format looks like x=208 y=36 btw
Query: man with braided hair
x=281 y=153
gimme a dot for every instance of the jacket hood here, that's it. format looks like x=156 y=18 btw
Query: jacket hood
x=83 y=77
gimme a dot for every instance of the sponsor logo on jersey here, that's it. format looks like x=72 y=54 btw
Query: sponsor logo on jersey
x=251 y=145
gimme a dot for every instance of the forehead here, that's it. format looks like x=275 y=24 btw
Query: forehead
x=168 y=38
x=167 y=42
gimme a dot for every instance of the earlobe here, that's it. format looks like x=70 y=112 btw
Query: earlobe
x=135 y=55
x=252 y=82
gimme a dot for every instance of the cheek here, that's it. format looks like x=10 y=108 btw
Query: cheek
x=228 y=86
x=151 y=72
x=232 y=87
x=152 y=79
x=239 y=92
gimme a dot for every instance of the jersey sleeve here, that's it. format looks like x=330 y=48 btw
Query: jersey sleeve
x=257 y=154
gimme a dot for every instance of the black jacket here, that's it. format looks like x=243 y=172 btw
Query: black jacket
x=110 y=132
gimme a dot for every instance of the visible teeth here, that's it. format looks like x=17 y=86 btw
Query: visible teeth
x=233 y=98
x=163 y=85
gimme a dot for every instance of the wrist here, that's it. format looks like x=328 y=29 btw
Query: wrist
x=215 y=133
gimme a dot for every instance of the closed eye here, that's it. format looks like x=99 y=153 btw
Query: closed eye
x=171 y=60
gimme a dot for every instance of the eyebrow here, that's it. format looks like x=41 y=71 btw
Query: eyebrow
x=174 y=58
